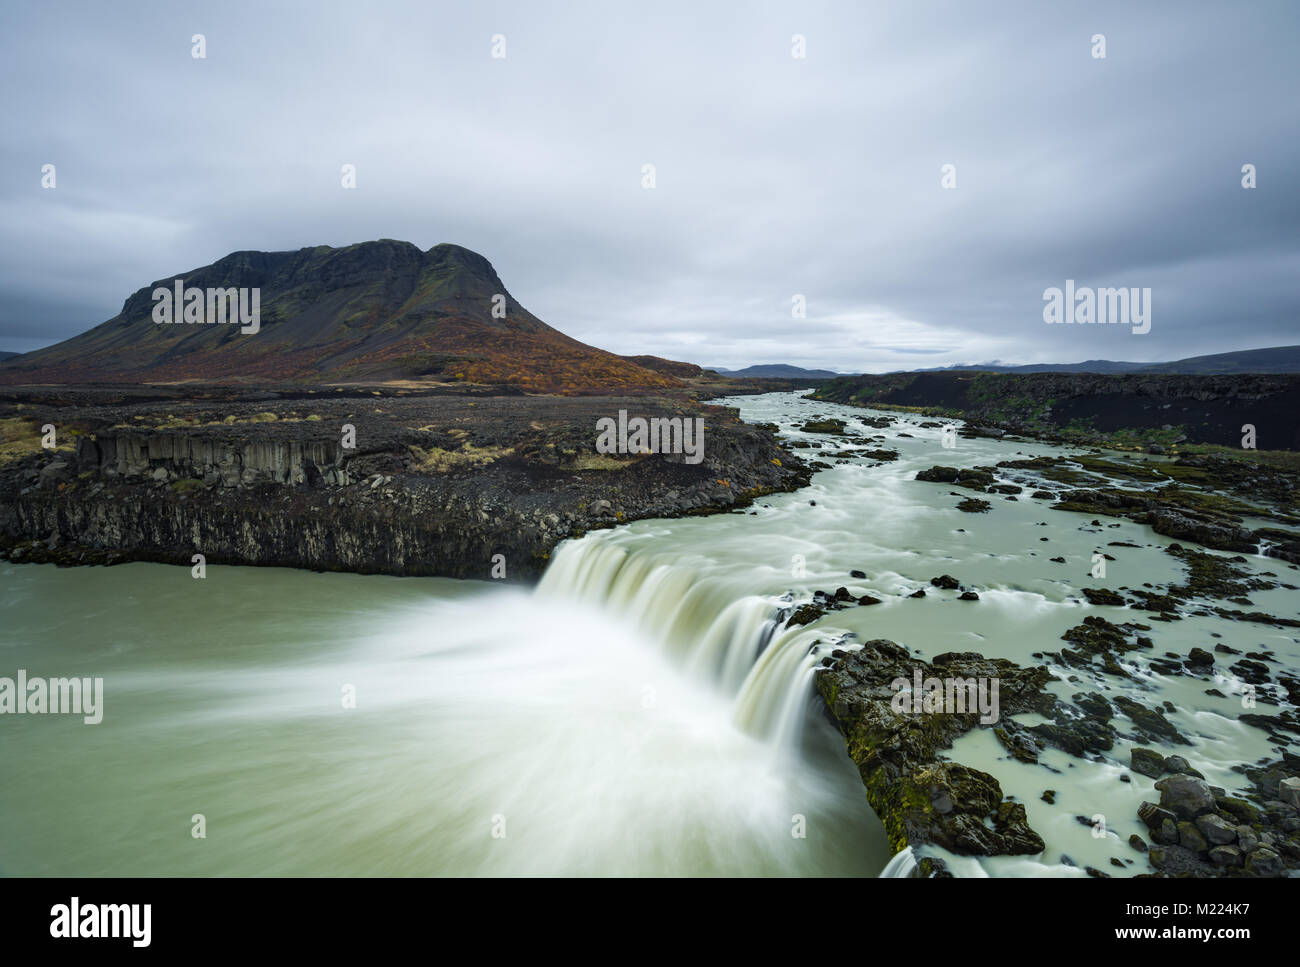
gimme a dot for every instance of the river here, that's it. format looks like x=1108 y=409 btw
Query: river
x=637 y=713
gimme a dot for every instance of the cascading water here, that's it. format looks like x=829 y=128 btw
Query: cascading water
x=901 y=866
x=735 y=641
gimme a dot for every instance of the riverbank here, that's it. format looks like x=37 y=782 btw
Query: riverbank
x=1127 y=410
x=458 y=485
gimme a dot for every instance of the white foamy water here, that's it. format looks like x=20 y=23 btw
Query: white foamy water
x=495 y=733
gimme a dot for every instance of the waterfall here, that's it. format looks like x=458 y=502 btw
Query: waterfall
x=710 y=626
x=901 y=866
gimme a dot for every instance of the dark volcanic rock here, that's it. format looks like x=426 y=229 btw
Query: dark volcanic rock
x=437 y=484
x=1102 y=596
x=805 y=615
x=938 y=474
x=1223 y=536
x=1185 y=796
x=1199 y=658
x=1150 y=723
x=831 y=426
x=1147 y=762
x=920 y=798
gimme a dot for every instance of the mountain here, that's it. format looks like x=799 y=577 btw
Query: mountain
x=1276 y=359
x=670 y=366
x=1102 y=366
x=5 y=355
x=382 y=310
x=776 y=371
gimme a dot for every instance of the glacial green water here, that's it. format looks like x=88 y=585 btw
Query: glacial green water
x=619 y=719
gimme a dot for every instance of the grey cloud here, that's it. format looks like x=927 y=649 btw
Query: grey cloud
x=775 y=176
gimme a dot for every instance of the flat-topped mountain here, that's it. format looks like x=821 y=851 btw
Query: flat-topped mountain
x=382 y=310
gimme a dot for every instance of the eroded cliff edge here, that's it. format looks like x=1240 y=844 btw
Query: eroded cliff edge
x=437 y=484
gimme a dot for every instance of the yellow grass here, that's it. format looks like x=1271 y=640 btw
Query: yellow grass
x=437 y=460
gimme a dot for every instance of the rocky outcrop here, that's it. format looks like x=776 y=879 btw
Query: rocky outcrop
x=1199 y=831
x=923 y=798
x=227 y=459
x=1219 y=535
x=453 y=486
x=918 y=796
x=1186 y=507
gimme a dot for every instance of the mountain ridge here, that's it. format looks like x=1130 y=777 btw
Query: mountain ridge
x=378 y=310
x=1270 y=359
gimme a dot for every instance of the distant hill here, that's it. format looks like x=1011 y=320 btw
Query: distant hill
x=1102 y=366
x=670 y=366
x=4 y=355
x=776 y=371
x=382 y=310
x=1276 y=359
x=1135 y=409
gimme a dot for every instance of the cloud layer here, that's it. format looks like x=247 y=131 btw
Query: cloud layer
x=775 y=176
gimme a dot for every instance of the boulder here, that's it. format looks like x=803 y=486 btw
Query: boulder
x=938 y=474
x=1189 y=837
x=1199 y=657
x=1244 y=812
x=1247 y=840
x=1186 y=796
x=1264 y=862
x=1176 y=764
x=1146 y=762
x=1216 y=830
x=1225 y=856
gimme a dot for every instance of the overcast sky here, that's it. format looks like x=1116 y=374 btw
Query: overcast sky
x=775 y=175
